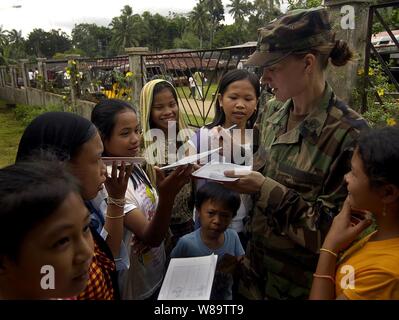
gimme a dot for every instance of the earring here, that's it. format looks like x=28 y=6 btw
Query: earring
x=384 y=212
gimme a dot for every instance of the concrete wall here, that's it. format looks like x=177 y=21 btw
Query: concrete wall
x=84 y=108
x=36 y=97
x=345 y=80
x=7 y=94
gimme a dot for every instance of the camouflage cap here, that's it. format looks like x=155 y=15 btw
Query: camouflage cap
x=294 y=31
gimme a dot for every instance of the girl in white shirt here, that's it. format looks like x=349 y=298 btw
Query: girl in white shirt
x=147 y=210
x=236 y=104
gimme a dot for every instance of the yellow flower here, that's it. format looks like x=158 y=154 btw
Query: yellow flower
x=371 y=72
x=391 y=122
x=64 y=97
x=73 y=62
x=360 y=71
x=380 y=91
x=68 y=71
x=128 y=99
x=129 y=74
x=149 y=194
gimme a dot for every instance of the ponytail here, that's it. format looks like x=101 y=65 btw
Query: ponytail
x=340 y=53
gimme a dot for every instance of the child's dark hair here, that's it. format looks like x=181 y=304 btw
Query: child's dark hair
x=61 y=133
x=104 y=115
x=379 y=150
x=227 y=79
x=30 y=192
x=158 y=88
x=104 y=118
x=217 y=193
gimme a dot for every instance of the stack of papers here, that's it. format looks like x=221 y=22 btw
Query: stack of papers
x=190 y=159
x=189 y=278
x=215 y=171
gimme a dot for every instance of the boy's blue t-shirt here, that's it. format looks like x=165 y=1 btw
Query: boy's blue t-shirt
x=191 y=245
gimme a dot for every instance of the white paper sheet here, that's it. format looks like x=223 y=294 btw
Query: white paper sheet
x=189 y=278
x=190 y=159
x=215 y=171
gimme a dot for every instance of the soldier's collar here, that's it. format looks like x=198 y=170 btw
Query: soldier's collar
x=312 y=125
x=314 y=122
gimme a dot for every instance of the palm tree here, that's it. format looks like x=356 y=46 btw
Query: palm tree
x=15 y=37
x=199 y=18
x=3 y=37
x=123 y=29
x=216 y=11
x=266 y=10
x=16 y=44
x=238 y=9
x=3 y=45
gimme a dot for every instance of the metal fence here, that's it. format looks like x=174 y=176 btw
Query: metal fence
x=94 y=79
x=196 y=75
x=384 y=55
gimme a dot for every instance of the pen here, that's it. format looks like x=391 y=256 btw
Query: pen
x=232 y=127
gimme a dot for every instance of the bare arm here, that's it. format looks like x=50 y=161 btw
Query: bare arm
x=116 y=186
x=341 y=234
x=153 y=232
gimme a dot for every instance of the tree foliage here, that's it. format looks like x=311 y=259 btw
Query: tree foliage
x=202 y=27
x=303 y=4
x=239 y=9
x=45 y=44
x=123 y=29
x=92 y=40
x=199 y=19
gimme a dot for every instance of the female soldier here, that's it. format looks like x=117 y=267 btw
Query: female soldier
x=307 y=137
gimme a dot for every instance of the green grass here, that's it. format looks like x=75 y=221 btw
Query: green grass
x=10 y=133
x=190 y=120
x=185 y=91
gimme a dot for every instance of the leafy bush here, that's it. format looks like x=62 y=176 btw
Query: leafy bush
x=26 y=114
x=380 y=116
x=377 y=114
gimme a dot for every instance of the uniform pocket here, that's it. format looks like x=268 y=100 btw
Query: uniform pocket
x=300 y=180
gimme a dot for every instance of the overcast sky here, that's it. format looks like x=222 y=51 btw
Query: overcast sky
x=63 y=14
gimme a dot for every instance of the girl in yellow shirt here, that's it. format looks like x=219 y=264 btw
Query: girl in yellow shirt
x=369 y=268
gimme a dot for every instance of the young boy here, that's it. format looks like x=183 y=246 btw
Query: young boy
x=216 y=206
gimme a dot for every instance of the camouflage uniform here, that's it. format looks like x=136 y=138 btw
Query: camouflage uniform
x=303 y=191
x=304 y=186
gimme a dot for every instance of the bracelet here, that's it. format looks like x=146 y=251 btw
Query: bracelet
x=329 y=251
x=115 y=204
x=118 y=202
x=117 y=217
x=322 y=276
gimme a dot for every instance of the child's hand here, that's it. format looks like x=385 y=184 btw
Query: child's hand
x=343 y=231
x=116 y=184
x=171 y=185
